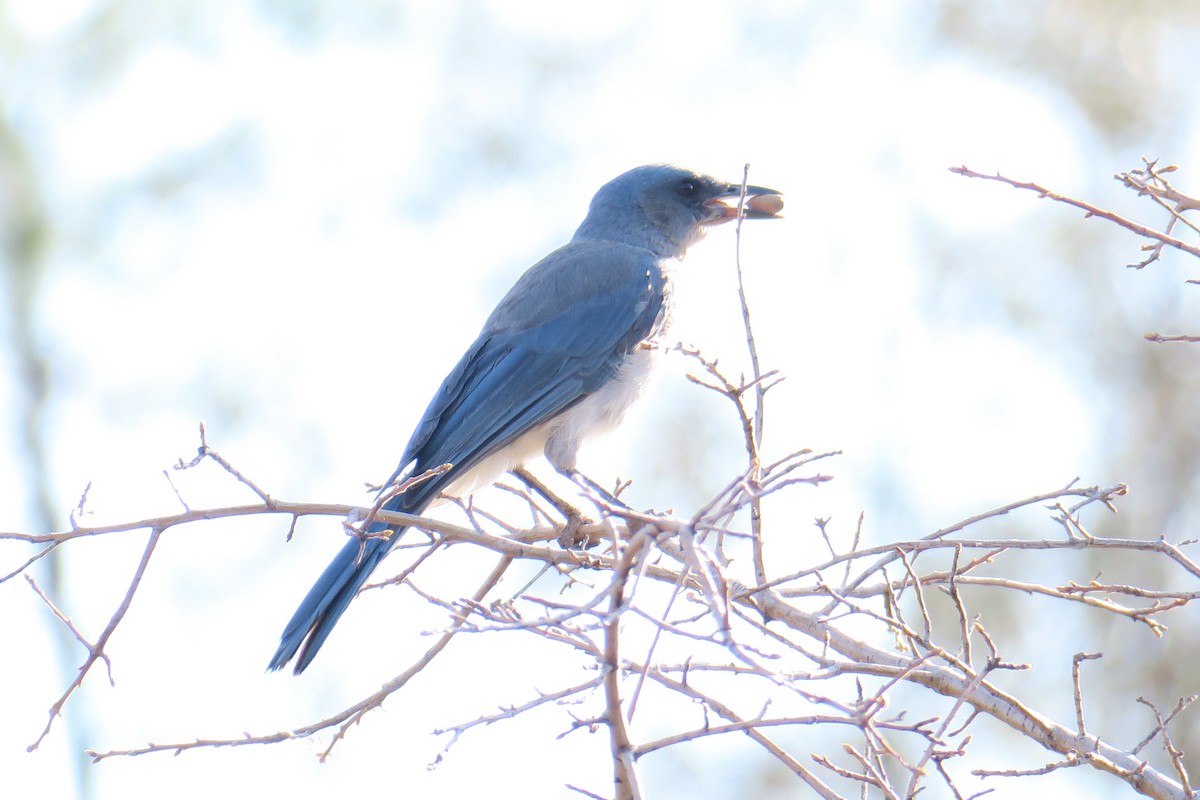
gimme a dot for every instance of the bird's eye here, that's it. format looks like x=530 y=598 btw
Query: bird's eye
x=687 y=188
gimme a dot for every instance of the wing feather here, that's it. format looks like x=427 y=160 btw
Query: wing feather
x=561 y=333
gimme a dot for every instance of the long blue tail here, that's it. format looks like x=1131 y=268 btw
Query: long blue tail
x=327 y=600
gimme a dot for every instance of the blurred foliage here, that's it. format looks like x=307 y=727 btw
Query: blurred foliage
x=1116 y=59
x=1126 y=65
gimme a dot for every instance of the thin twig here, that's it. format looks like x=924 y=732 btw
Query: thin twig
x=1089 y=211
x=96 y=652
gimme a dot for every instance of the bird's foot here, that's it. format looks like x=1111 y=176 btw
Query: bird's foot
x=572 y=536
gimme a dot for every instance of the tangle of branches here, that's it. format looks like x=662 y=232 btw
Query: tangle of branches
x=884 y=647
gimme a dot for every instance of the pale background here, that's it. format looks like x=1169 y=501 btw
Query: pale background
x=288 y=219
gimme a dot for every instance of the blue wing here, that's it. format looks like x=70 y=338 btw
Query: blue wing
x=560 y=333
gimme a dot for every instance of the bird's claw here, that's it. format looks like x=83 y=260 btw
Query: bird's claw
x=574 y=537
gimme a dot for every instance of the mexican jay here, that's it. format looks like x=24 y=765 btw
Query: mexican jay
x=560 y=359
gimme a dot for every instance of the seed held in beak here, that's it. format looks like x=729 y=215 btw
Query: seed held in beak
x=765 y=203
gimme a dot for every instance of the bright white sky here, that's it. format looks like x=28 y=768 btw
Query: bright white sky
x=308 y=308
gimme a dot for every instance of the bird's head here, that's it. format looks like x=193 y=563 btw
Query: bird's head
x=667 y=208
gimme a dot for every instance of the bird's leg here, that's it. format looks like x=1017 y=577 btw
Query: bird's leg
x=570 y=537
x=586 y=483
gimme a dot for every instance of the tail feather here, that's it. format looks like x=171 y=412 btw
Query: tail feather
x=327 y=600
x=325 y=603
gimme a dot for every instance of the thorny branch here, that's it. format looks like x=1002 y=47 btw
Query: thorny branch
x=803 y=644
x=884 y=648
x=1150 y=181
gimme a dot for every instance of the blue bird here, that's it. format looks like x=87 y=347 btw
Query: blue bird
x=561 y=358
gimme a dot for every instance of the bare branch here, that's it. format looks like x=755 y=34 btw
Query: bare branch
x=96 y=652
x=1090 y=211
